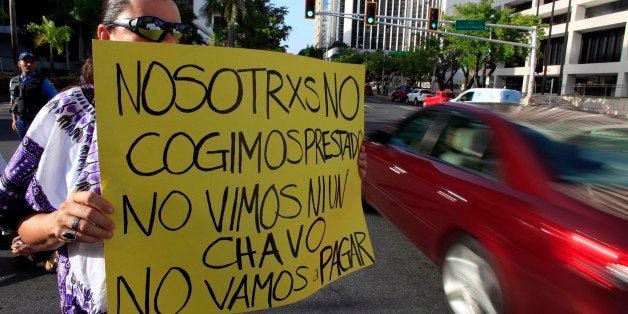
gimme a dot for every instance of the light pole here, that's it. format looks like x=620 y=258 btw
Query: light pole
x=13 y=31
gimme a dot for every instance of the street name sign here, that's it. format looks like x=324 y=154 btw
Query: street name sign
x=470 y=25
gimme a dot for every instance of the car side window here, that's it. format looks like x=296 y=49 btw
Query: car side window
x=409 y=135
x=467 y=97
x=466 y=142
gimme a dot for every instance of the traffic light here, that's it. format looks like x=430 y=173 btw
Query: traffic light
x=432 y=19
x=371 y=11
x=310 y=8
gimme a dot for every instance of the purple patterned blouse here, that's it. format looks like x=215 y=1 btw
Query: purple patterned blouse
x=59 y=155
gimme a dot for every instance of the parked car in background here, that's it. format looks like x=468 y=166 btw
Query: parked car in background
x=525 y=210
x=489 y=96
x=400 y=93
x=417 y=96
x=368 y=90
x=438 y=97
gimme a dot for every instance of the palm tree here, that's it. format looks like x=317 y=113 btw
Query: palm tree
x=48 y=33
x=85 y=12
x=231 y=10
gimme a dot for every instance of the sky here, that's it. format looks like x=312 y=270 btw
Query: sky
x=302 y=29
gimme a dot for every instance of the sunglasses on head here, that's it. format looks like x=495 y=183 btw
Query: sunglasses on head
x=152 y=28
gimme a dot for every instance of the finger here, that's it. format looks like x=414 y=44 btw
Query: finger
x=91 y=230
x=72 y=208
x=86 y=238
x=88 y=214
x=92 y=199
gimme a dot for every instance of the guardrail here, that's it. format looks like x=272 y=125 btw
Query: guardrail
x=598 y=90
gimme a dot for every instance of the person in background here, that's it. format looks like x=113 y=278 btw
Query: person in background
x=28 y=92
x=53 y=180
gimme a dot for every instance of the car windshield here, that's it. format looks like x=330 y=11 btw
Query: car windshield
x=591 y=157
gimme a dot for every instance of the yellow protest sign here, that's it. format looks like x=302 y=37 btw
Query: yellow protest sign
x=233 y=173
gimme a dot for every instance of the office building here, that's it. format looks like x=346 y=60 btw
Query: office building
x=587 y=53
x=356 y=34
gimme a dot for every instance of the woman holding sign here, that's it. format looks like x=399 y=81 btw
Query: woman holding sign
x=52 y=183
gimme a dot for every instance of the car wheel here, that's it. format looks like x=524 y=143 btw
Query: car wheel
x=470 y=283
x=416 y=102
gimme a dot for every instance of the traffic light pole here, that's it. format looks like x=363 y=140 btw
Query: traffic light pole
x=532 y=29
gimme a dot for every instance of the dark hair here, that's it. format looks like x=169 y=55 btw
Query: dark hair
x=87 y=72
x=111 y=9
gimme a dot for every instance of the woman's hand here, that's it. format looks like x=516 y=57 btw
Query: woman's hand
x=82 y=217
x=362 y=162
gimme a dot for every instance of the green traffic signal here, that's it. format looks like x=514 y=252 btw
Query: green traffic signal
x=310 y=8
x=370 y=12
x=432 y=17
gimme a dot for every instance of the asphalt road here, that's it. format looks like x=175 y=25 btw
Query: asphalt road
x=402 y=280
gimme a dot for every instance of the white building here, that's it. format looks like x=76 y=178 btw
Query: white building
x=356 y=34
x=588 y=45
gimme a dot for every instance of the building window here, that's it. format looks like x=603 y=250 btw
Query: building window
x=522 y=6
x=602 y=46
x=600 y=85
x=607 y=8
x=554 y=51
x=513 y=82
x=558 y=19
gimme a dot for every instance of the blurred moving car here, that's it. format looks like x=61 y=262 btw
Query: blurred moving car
x=439 y=97
x=368 y=90
x=526 y=210
x=400 y=93
x=417 y=96
x=489 y=96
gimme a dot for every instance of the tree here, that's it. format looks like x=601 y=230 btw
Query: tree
x=419 y=63
x=348 y=55
x=230 y=10
x=85 y=13
x=263 y=27
x=260 y=25
x=480 y=56
x=186 y=9
x=313 y=52
x=48 y=33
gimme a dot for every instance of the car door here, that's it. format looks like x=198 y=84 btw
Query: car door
x=400 y=175
x=467 y=180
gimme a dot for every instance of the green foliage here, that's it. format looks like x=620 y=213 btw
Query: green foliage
x=475 y=55
x=312 y=52
x=230 y=10
x=48 y=33
x=257 y=25
x=417 y=65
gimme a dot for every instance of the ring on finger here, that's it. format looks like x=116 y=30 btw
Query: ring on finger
x=69 y=236
x=75 y=223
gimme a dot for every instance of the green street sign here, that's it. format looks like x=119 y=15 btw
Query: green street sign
x=470 y=25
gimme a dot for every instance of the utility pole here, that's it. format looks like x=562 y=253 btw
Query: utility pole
x=13 y=31
x=530 y=89
x=548 y=49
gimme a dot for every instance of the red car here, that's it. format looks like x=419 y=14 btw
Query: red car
x=439 y=97
x=368 y=90
x=401 y=93
x=525 y=211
